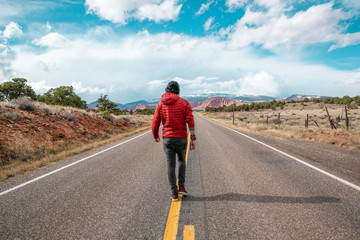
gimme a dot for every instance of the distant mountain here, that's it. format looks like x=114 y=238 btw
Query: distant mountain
x=236 y=98
x=203 y=97
x=251 y=98
x=142 y=105
x=300 y=97
x=212 y=102
x=200 y=101
x=92 y=105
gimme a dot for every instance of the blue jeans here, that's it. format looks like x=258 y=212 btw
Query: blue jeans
x=173 y=147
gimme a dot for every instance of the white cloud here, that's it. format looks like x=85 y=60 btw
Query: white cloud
x=209 y=24
x=140 y=65
x=43 y=86
x=235 y=4
x=195 y=82
x=345 y=40
x=120 y=11
x=354 y=4
x=40 y=86
x=261 y=83
x=79 y=88
x=157 y=82
x=6 y=70
x=48 y=27
x=354 y=79
x=224 y=32
x=166 y=11
x=52 y=40
x=318 y=24
x=12 y=30
x=16 y=9
x=274 y=6
x=204 y=7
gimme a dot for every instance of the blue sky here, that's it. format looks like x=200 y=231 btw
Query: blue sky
x=130 y=49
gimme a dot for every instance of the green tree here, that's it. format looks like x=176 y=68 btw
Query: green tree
x=306 y=100
x=329 y=100
x=104 y=103
x=63 y=96
x=15 y=89
x=124 y=111
x=357 y=100
x=346 y=100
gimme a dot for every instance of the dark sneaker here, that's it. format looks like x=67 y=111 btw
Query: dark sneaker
x=183 y=191
x=174 y=197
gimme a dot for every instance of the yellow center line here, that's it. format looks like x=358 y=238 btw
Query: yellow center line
x=189 y=232
x=174 y=214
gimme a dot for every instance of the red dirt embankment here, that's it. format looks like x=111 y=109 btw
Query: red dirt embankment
x=26 y=135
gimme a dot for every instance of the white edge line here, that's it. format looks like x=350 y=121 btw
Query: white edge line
x=292 y=157
x=72 y=164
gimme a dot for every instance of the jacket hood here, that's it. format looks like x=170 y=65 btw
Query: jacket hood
x=169 y=98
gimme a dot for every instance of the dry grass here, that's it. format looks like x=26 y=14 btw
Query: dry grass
x=50 y=109
x=293 y=123
x=55 y=154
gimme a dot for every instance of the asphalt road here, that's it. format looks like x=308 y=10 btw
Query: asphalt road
x=239 y=189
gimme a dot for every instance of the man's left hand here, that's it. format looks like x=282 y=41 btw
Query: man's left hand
x=192 y=144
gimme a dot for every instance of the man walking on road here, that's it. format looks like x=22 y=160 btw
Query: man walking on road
x=174 y=113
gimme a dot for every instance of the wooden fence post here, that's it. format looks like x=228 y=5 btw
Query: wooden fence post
x=267 y=120
x=346 y=119
x=233 y=116
x=337 y=120
x=332 y=125
x=279 y=119
x=316 y=124
x=307 y=121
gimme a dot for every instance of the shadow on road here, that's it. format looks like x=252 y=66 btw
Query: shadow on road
x=264 y=199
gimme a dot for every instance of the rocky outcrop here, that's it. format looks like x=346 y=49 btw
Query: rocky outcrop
x=214 y=102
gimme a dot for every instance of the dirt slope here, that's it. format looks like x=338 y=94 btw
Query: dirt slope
x=25 y=135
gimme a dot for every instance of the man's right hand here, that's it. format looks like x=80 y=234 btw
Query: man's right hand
x=157 y=139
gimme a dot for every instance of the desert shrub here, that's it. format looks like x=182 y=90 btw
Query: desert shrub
x=24 y=103
x=109 y=131
x=46 y=110
x=111 y=118
x=293 y=123
x=11 y=116
x=55 y=117
x=70 y=117
x=23 y=152
x=261 y=127
x=107 y=115
x=51 y=151
x=353 y=105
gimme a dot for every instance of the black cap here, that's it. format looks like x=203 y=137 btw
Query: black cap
x=173 y=87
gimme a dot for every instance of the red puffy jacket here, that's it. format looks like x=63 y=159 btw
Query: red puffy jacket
x=174 y=112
